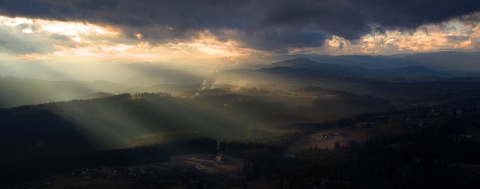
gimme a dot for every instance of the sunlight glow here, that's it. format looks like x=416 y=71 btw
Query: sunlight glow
x=57 y=27
x=75 y=41
x=67 y=28
x=32 y=57
x=8 y=21
x=451 y=35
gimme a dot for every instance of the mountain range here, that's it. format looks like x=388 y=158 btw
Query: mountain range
x=355 y=73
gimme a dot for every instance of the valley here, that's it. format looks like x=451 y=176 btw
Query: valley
x=290 y=116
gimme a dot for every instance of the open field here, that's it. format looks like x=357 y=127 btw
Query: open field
x=386 y=127
x=327 y=138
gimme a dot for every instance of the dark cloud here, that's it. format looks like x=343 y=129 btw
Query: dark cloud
x=333 y=17
x=279 y=40
x=408 y=14
x=97 y=4
x=35 y=9
x=265 y=24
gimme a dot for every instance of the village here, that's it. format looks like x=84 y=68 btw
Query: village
x=182 y=171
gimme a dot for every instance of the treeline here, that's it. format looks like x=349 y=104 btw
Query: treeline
x=188 y=146
x=42 y=166
x=420 y=159
x=248 y=149
x=23 y=169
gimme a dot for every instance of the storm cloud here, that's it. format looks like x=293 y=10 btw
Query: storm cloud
x=271 y=25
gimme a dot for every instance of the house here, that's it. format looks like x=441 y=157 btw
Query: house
x=220 y=158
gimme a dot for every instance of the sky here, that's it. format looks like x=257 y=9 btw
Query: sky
x=227 y=32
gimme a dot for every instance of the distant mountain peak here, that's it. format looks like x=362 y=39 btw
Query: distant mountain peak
x=301 y=59
x=295 y=62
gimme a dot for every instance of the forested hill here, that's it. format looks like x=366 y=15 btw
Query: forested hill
x=107 y=122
